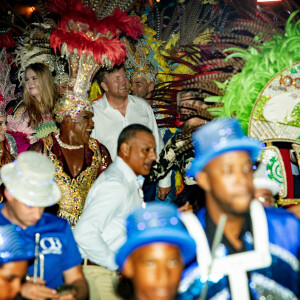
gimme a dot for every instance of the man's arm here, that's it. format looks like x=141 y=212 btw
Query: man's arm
x=75 y=277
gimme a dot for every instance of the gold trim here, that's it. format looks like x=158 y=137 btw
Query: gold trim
x=288 y=201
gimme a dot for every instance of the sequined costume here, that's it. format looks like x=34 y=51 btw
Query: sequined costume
x=280 y=280
x=24 y=134
x=74 y=189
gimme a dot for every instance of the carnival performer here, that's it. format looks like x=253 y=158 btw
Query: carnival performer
x=153 y=258
x=33 y=117
x=245 y=251
x=79 y=159
x=8 y=146
x=178 y=152
x=13 y=262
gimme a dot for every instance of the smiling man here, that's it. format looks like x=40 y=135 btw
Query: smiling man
x=116 y=193
x=117 y=109
x=79 y=159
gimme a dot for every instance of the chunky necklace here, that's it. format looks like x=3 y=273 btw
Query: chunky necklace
x=66 y=146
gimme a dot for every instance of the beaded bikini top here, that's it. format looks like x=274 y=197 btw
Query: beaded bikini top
x=73 y=190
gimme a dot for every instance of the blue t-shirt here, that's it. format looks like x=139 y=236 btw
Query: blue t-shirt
x=57 y=244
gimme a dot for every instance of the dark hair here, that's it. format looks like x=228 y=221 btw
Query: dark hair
x=130 y=132
x=100 y=76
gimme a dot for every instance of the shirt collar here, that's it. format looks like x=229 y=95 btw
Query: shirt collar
x=128 y=173
x=105 y=105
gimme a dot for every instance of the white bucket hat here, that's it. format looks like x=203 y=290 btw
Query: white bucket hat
x=30 y=179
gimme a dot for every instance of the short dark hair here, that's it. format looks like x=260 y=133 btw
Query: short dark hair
x=100 y=76
x=130 y=132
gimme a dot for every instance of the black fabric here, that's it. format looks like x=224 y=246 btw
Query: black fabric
x=211 y=229
x=192 y=193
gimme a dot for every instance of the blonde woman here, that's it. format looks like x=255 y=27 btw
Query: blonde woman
x=33 y=118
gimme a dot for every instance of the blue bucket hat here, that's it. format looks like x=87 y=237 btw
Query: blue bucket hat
x=12 y=246
x=217 y=137
x=156 y=223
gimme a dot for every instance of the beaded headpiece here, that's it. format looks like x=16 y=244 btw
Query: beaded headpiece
x=61 y=76
x=6 y=88
x=140 y=61
x=88 y=44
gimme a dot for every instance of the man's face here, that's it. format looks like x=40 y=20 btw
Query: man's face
x=11 y=275
x=155 y=270
x=21 y=214
x=82 y=129
x=228 y=181
x=140 y=87
x=116 y=84
x=140 y=153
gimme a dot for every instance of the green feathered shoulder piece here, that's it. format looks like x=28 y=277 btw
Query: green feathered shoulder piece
x=262 y=63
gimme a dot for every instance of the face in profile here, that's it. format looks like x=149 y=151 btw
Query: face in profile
x=139 y=152
x=228 y=181
x=61 y=88
x=3 y=127
x=141 y=88
x=83 y=127
x=11 y=275
x=32 y=84
x=155 y=271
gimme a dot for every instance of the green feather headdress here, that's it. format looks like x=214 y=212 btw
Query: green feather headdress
x=263 y=62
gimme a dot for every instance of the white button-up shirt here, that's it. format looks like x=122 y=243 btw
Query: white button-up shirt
x=101 y=231
x=109 y=123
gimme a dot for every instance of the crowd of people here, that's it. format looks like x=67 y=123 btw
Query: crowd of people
x=87 y=210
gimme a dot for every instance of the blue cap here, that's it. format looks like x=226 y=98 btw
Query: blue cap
x=12 y=247
x=217 y=137
x=156 y=223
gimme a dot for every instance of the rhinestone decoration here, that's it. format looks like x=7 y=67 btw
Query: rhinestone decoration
x=74 y=190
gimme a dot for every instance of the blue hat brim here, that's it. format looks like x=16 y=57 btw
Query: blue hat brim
x=253 y=147
x=181 y=239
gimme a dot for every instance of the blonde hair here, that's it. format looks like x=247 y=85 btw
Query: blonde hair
x=47 y=91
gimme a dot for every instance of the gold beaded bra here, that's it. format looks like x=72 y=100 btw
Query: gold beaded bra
x=73 y=190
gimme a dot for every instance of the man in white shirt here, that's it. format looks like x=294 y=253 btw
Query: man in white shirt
x=100 y=230
x=117 y=109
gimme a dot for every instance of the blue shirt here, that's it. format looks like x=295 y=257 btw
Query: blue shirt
x=57 y=244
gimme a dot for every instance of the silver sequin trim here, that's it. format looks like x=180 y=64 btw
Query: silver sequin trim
x=270 y=289
x=285 y=255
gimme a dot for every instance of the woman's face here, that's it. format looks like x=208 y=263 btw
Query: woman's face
x=32 y=84
x=3 y=127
